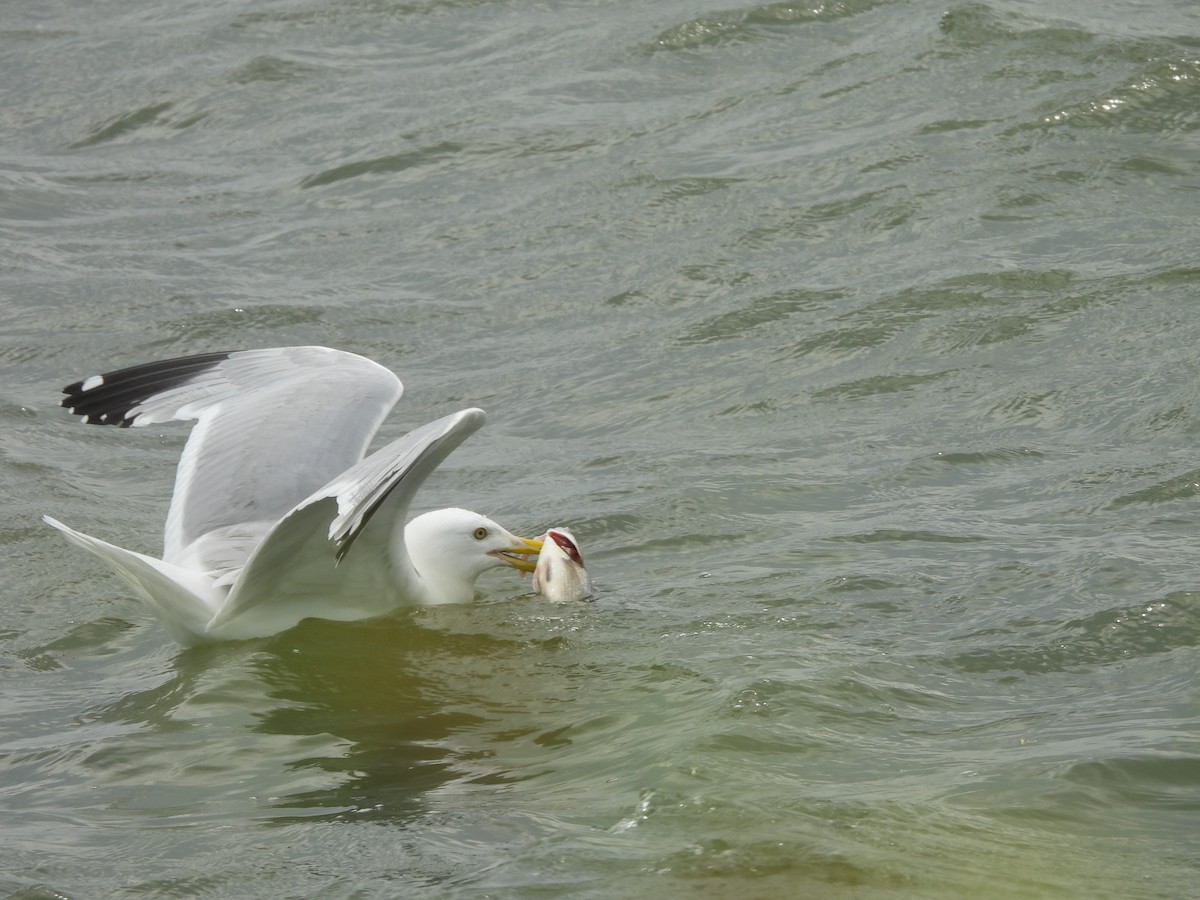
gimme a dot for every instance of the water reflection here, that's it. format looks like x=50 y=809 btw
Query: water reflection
x=344 y=721
x=396 y=693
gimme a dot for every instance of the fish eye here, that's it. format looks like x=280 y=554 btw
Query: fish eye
x=479 y=533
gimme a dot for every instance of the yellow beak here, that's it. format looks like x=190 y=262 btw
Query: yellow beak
x=517 y=557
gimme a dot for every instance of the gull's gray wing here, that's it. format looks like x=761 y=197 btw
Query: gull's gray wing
x=273 y=426
x=311 y=562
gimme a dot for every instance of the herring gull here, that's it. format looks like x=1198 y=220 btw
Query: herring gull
x=276 y=515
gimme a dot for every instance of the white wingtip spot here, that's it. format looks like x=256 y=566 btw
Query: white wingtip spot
x=92 y=383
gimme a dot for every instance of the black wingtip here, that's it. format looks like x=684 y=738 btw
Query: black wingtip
x=109 y=399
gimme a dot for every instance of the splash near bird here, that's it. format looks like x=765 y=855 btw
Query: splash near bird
x=276 y=515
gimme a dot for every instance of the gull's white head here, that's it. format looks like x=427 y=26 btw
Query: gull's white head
x=559 y=575
x=450 y=548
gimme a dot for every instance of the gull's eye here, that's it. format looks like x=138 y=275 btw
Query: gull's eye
x=479 y=533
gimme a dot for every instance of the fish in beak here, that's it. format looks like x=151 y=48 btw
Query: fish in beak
x=559 y=575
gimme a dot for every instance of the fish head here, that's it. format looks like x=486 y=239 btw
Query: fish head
x=560 y=575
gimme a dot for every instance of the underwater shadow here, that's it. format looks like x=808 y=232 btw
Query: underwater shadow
x=419 y=702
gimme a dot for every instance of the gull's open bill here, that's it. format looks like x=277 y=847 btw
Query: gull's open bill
x=276 y=515
x=560 y=575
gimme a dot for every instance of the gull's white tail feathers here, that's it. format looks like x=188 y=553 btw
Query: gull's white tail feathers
x=183 y=600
